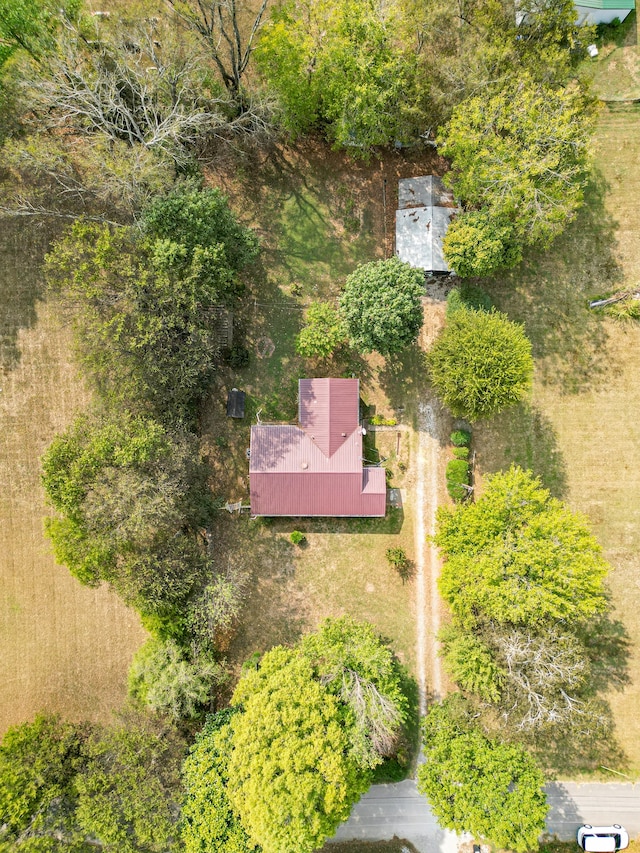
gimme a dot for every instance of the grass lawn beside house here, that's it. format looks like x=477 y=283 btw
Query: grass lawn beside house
x=319 y=216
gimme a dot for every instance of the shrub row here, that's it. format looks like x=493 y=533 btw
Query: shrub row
x=458 y=473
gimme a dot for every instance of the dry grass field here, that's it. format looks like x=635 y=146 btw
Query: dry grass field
x=581 y=433
x=64 y=647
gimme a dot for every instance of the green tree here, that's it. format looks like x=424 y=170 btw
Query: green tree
x=322 y=333
x=200 y=218
x=350 y=659
x=163 y=678
x=476 y=784
x=208 y=821
x=480 y=363
x=342 y=66
x=129 y=790
x=477 y=244
x=487 y=47
x=38 y=765
x=470 y=663
x=146 y=307
x=291 y=777
x=130 y=496
x=519 y=556
x=30 y=25
x=381 y=307
x=520 y=154
x=215 y=612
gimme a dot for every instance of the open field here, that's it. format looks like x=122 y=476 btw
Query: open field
x=64 y=647
x=581 y=433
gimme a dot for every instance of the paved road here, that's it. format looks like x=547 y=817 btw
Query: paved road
x=388 y=810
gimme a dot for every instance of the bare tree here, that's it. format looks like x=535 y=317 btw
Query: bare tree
x=216 y=22
x=134 y=91
x=543 y=677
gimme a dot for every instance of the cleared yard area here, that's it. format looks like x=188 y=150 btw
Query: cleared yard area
x=581 y=432
x=319 y=215
x=64 y=647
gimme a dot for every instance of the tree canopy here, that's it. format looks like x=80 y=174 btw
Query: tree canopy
x=146 y=305
x=163 y=678
x=208 y=821
x=322 y=333
x=38 y=763
x=381 y=307
x=519 y=154
x=356 y=666
x=129 y=789
x=480 y=363
x=71 y=787
x=478 y=244
x=477 y=784
x=291 y=778
x=519 y=556
x=29 y=25
x=130 y=496
x=307 y=727
x=342 y=66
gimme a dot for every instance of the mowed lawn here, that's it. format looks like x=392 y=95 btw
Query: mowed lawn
x=319 y=215
x=64 y=647
x=581 y=432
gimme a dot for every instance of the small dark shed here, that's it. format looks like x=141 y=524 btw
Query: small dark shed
x=235 y=403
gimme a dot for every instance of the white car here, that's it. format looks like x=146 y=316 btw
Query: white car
x=602 y=839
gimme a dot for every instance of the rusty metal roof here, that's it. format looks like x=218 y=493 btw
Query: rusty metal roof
x=316 y=468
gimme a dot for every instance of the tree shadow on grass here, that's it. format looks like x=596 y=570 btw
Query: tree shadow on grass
x=525 y=436
x=585 y=747
x=23 y=245
x=550 y=293
x=275 y=612
x=404 y=379
x=608 y=648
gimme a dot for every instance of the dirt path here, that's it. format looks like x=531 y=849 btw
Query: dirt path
x=428 y=477
x=427 y=560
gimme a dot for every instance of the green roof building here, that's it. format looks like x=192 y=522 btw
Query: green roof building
x=603 y=11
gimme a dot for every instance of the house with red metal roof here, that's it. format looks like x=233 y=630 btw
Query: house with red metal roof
x=316 y=468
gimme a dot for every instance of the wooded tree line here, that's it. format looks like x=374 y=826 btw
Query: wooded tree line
x=530 y=647
x=530 y=642
x=504 y=99
x=276 y=771
x=130 y=490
